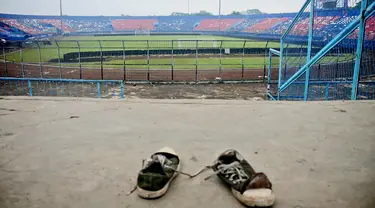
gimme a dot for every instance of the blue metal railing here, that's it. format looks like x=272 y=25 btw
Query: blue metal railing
x=10 y=86
x=366 y=12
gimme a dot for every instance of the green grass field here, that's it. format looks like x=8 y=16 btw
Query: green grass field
x=107 y=43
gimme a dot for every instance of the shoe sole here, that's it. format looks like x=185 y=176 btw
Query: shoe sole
x=256 y=197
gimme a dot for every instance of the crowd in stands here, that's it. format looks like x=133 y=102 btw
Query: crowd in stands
x=325 y=26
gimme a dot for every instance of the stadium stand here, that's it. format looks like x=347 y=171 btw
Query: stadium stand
x=264 y=25
x=177 y=24
x=248 y=22
x=15 y=24
x=57 y=23
x=90 y=25
x=213 y=24
x=38 y=27
x=133 y=24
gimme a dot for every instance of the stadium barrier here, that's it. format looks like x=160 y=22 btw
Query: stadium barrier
x=342 y=67
x=138 y=60
x=10 y=86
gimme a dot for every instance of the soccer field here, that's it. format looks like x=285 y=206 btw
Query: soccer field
x=62 y=45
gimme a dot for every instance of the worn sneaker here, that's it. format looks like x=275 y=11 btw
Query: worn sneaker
x=157 y=173
x=249 y=187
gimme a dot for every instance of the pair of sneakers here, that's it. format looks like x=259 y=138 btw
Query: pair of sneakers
x=249 y=187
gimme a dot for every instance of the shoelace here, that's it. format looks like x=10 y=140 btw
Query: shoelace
x=233 y=171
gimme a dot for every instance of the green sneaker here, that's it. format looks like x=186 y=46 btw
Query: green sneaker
x=249 y=187
x=157 y=173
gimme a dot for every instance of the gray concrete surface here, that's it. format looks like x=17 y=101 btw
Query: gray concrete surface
x=316 y=154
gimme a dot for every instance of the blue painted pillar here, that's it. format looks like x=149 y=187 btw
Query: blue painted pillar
x=98 y=85
x=358 y=58
x=311 y=34
x=280 y=67
x=30 y=88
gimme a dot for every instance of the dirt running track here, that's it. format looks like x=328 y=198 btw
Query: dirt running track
x=34 y=71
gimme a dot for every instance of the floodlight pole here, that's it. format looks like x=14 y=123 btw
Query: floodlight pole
x=188 y=6
x=219 y=15
x=61 y=17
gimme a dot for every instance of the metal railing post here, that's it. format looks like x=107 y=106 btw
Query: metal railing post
x=122 y=90
x=30 y=88
x=172 y=60
x=40 y=60
x=148 y=61
x=124 y=60
x=327 y=92
x=358 y=58
x=269 y=72
x=311 y=27
x=5 y=61
x=196 y=61
x=101 y=60
x=98 y=87
x=22 y=64
x=58 y=58
x=79 y=60
x=280 y=67
x=243 y=60
x=221 y=56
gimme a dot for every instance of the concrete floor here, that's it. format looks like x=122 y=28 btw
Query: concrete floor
x=316 y=154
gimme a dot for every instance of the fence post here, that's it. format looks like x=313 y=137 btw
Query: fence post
x=5 y=61
x=122 y=90
x=124 y=59
x=79 y=60
x=319 y=72
x=148 y=61
x=22 y=64
x=196 y=61
x=101 y=60
x=30 y=88
x=98 y=86
x=327 y=91
x=269 y=72
x=40 y=60
x=221 y=55
x=172 y=58
x=265 y=58
x=311 y=27
x=358 y=58
x=243 y=60
x=58 y=58
x=280 y=67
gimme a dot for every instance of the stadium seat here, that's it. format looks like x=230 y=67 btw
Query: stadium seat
x=133 y=24
x=264 y=25
x=213 y=24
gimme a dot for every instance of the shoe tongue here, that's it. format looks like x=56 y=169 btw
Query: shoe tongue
x=156 y=164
